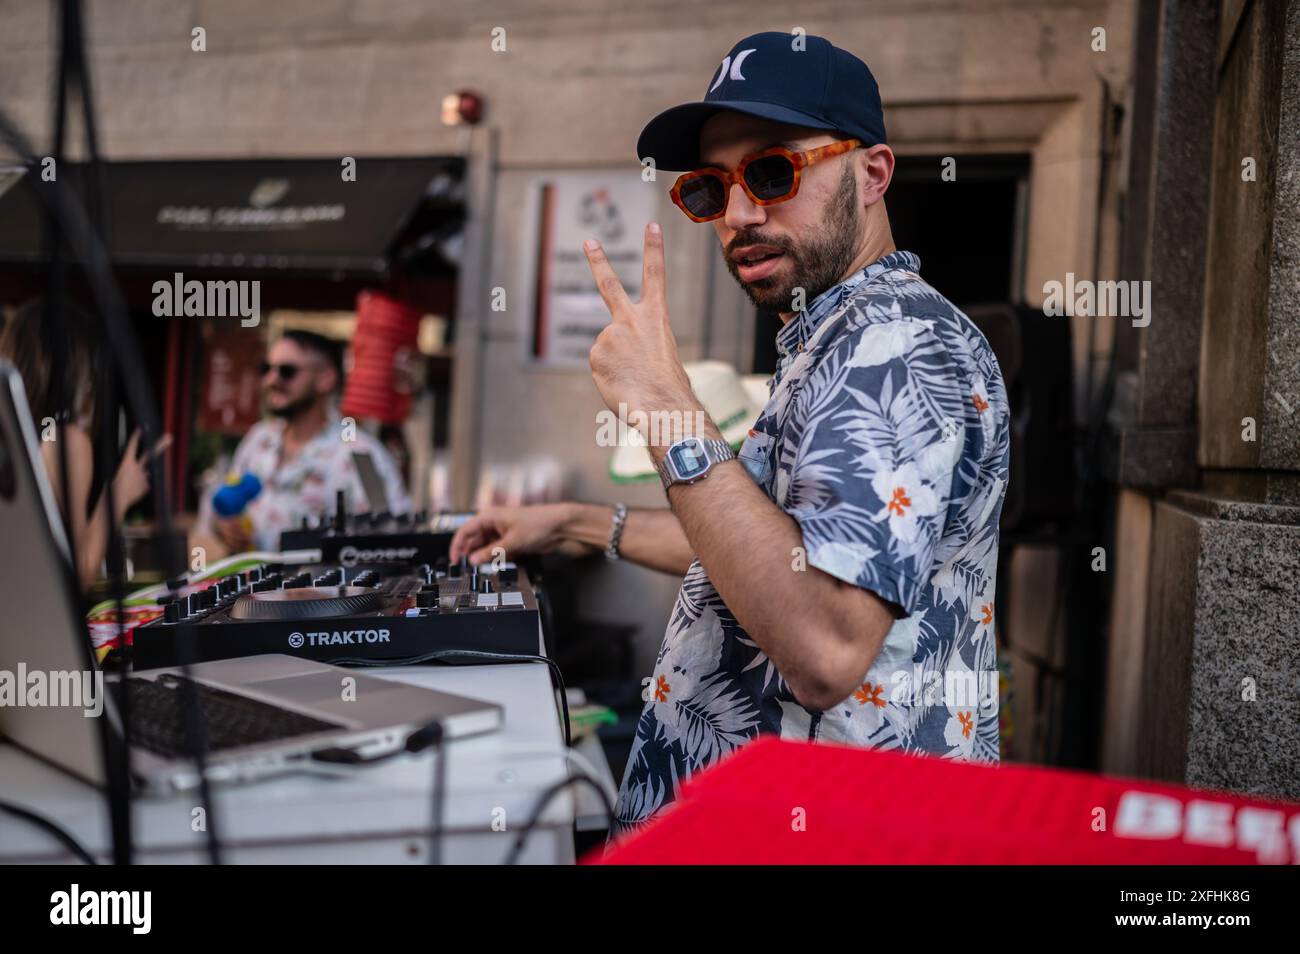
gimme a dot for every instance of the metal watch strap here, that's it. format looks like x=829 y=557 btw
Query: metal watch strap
x=616 y=532
x=718 y=451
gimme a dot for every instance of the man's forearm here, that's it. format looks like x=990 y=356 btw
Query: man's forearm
x=820 y=632
x=651 y=538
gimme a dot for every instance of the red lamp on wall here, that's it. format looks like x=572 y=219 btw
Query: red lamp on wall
x=462 y=108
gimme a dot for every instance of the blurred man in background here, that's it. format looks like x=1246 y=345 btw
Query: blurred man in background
x=301 y=455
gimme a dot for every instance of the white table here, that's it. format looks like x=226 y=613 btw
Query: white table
x=376 y=815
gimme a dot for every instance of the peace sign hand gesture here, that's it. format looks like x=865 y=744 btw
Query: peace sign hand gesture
x=634 y=359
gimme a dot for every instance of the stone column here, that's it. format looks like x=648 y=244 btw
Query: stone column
x=1221 y=673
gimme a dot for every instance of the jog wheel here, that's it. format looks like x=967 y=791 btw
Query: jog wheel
x=308 y=602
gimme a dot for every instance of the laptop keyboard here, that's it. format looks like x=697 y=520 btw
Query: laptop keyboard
x=157 y=709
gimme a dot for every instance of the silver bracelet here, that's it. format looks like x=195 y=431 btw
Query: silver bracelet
x=616 y=532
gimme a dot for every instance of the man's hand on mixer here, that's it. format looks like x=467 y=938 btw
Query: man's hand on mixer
x=518 y=531
x=651 y=538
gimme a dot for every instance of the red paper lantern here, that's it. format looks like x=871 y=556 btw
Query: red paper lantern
x=386 y=328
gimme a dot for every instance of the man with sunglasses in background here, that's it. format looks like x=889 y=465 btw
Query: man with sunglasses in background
x=839 y=575
x=301 y=455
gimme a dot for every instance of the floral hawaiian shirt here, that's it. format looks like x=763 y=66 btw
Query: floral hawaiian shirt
x=306 y=485
x=886 y=439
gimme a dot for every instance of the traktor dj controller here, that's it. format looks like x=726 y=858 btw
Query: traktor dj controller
x=338 y=613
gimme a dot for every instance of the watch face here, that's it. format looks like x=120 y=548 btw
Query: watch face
x=688 y=459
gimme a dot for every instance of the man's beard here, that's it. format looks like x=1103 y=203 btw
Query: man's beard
x=817 y=265
x=294 y=408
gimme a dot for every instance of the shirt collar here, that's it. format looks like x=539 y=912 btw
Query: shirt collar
x=329 y=430
x=796 y=332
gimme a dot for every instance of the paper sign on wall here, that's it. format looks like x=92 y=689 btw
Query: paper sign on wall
x=566 y=313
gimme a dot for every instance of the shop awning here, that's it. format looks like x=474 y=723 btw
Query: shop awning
x=277 y=214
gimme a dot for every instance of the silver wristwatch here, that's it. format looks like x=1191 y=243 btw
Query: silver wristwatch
x=691 y=458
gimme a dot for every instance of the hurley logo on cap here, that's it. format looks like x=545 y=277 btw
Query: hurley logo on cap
x=811 y=83
x=730 y=69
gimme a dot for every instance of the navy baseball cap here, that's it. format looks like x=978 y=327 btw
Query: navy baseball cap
x=766 y=75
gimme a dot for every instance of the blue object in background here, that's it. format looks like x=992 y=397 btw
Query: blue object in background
x=237 y=494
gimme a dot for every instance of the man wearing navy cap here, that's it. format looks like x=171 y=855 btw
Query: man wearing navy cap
x=840 y=570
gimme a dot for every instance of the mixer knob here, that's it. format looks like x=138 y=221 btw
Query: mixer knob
x=426 y=599
x=172 y=612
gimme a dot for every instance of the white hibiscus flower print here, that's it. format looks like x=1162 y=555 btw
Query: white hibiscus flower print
x=908 y=501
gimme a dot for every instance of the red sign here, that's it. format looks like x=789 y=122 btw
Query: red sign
x=779 y=802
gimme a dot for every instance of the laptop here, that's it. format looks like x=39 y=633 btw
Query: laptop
x=371 y=482
x=264 y=715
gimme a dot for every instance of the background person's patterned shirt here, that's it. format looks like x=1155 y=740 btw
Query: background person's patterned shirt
x=886 y=439
x=306 y=485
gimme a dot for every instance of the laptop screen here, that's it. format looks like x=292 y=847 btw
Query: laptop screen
x=371 y=482
x=44 y=634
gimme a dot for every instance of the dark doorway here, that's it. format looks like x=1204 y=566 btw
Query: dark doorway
x=968 y=232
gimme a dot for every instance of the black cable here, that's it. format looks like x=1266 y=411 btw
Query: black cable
x=59 y=834
x=444 y=655
x=73 y=226
x=73 y=70
x=546 y=798
x=417 y=741
x=440 y=754
x=55 y=334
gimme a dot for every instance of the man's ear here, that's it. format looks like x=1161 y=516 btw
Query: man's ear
x=875 y=172
x=328 y=380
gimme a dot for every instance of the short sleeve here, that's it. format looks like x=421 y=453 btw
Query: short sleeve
x=880 y=429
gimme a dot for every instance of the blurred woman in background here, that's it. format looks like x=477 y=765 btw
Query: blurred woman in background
x=62 y=403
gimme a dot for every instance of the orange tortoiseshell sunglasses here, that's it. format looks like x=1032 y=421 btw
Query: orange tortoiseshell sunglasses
x=768 y=177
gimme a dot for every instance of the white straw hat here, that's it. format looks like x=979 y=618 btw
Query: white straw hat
x=732 y=401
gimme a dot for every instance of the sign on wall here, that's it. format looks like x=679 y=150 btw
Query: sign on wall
x=230 y=389
x=565 y=312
